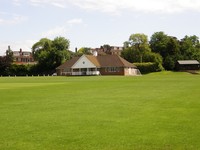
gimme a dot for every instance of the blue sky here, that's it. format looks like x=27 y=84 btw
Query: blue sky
x=92 y=23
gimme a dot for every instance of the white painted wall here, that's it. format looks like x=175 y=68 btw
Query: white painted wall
x=83 y=62
x=132 y=72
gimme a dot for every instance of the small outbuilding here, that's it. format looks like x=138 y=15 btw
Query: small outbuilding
x=187 y=65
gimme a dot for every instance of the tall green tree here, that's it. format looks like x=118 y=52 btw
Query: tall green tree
x=159 y=42
x=131 y=55
x=51 y=53
x=137 y=50
x=139 y=42
x=168 y=47
x=60 y=50
x=41 y=51
x=190 y=47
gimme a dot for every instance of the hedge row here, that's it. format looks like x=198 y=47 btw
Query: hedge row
x=149 y=67
x=24 y=70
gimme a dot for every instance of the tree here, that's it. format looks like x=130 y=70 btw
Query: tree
x=60 y=51
x=6 y=62
x=139 y=42
x=126 y=44
x=159 y=42
x=173 y=46
x=169 y=63
x=168 y=47
x=130 y=54
x=137 y=50
x=9 y=55
x=41 y=51
x=84 y=50
x=106 y=48
x=153 y=57
x=50 y=54
x=190 y=47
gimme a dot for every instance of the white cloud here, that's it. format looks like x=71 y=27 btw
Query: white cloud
x=56 y=3
x=7 y=19
x=57 y=31
x=62 y=30
x=75 y=21
x=100 y=5
x=16 y=2
x=118 y=6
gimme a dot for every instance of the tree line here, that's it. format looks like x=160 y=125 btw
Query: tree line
x=162 y=49
x=161 y=52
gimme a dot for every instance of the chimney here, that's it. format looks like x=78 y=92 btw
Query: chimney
x=20 y=50
x=76 y=49
x=9 y=47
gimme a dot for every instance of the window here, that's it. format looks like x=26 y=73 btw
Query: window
x=67 y=70
x=112 y=69
x=16 y=53
x=26 y=54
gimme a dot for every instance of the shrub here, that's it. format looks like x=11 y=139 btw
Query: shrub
x=149 y=67
x=18 y=70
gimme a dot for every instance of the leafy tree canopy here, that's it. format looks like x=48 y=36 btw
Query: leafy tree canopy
x=190 y=47
x=51 y=53
x=168 y=47
x=138 y=43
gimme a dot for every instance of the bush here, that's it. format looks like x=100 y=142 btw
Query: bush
x=23 y=70
x=169 y=63
x=18 y=70
x=149 y=67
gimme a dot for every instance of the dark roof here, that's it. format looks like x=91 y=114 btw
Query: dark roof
x=69 y=63
x=100 y=61
x=188 y=62
x=113 y=61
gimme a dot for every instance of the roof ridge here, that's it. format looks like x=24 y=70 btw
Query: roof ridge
x=122 y=60
x=94 y=58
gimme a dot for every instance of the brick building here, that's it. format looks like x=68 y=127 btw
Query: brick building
x=22 y=57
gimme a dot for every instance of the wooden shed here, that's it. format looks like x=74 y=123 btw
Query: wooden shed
x=187 y=65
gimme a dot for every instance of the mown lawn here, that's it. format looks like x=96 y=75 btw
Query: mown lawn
x=159 y=111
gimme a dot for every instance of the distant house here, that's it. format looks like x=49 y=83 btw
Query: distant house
x=187 y=65
x=111 y=50
x=116 y=50
x=23 y=57
x=97 y=65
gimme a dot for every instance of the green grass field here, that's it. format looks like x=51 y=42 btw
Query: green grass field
x=159 y=111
